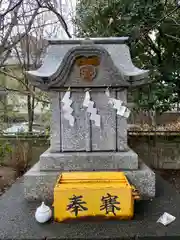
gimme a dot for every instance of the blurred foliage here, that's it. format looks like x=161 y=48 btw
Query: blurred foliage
x=153 y=30
x=4 y=149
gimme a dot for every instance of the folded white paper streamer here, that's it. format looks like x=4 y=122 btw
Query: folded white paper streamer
x=92 y=110
x=166 y=219
x=127 y=113
x=107 y=93
x=86 y=99
x=67 y=109
x=116 y=103
x=121 y=111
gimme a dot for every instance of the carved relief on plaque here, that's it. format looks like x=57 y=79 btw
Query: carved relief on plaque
x=88 y=67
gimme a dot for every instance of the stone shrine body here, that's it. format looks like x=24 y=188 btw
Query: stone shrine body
x=92 y=65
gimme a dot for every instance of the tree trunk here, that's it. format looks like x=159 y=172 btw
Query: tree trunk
x=5 y=102
x=178 y=103
x=31 y=103
x=152 y=115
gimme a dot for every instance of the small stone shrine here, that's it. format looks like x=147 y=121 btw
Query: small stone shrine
x=87 y=80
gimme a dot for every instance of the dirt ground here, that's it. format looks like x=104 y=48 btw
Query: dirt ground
x=8 y=176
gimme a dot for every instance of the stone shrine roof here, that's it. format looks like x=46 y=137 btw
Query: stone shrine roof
x=61 y=55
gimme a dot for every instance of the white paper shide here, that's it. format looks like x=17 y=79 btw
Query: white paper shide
x=67 y=109
x=92 y=110
x=86 y=99
x=117 y=104
x=166 y=219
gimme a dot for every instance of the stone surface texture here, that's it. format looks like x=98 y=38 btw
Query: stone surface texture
x=116 y=69
x=143 y=179
x=86 y=147
x=55 y=122
x=84 y=135
x=87 y=161
x=39 y=185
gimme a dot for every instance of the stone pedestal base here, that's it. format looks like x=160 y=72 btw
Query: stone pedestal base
x=88 y=161
x=39 y=185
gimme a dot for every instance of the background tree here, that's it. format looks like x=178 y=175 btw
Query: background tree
x=20 y=16
x=11 y=16
x=153 y=28
x=24 y=24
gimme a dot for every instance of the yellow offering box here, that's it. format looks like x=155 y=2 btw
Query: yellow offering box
x=86 y=195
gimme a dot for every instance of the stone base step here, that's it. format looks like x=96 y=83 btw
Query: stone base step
x=88 y=161
x=39 y=185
